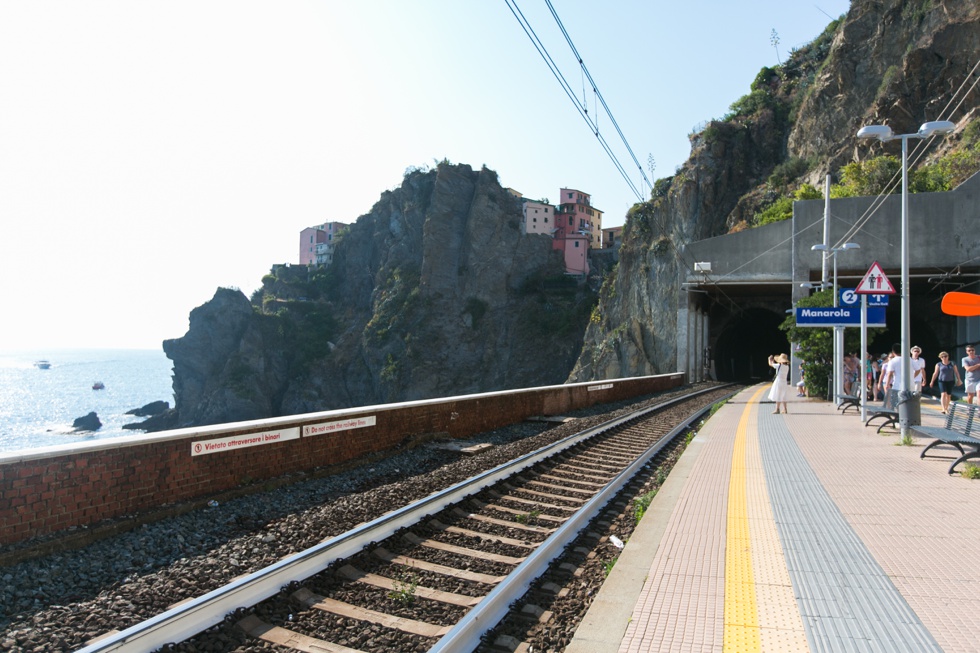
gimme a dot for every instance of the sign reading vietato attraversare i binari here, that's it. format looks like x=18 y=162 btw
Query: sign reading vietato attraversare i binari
x=230 y=443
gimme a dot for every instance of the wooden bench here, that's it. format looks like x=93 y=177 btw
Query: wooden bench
x=887 y=411
x=957 y=431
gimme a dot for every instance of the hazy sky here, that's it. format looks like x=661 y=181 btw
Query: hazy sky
x=151 y=152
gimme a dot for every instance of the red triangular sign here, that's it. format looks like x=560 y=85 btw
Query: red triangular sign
x=875 y=282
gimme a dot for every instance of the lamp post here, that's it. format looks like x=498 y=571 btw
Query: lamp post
x=884 y=134
x=838 y=330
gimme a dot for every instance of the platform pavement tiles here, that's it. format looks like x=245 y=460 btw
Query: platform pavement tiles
x=846 y=600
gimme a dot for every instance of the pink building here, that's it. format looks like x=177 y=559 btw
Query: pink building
x=588 y=219
x=316 y=243
x=578 y=226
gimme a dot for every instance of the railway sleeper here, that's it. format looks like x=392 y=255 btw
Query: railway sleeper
x=259 y=629
x=353 y=573
x=460 y=550
x=595 y=486
x=537 y=508
x=503 y=522
x=537 y=504
x=342 y=609
x=422 y=565
x=521 y=544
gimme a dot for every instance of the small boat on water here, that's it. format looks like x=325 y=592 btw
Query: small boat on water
x=98 y=385
x=42 y=365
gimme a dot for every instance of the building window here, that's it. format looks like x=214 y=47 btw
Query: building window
x=546 y=220
x=576 y=243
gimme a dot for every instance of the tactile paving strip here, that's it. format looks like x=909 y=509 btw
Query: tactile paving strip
x=846 y=600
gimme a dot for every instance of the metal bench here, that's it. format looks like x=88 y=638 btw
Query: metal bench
x=848 y=401
x=956 y=431
x=887 y=411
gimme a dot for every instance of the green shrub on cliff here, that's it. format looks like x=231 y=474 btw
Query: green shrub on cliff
x=394 y=302
x=782 y=208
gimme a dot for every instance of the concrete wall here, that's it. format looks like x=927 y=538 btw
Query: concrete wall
x=51 y=490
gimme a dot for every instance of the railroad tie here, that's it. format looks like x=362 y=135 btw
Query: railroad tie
x=414 y=563
x=342 y=609
x=353 y=573
x=411 y=538
x=285 y=637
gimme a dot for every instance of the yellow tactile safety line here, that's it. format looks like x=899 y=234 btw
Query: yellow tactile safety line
x=761 y=611
x=741 y=616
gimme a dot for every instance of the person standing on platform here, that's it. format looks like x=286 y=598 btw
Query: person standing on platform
x=971 y=365
x=948 y=376
x=918 y=369
x=891 y=374
x=780 y=384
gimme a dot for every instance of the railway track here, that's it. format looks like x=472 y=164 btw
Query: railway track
x=435 y=575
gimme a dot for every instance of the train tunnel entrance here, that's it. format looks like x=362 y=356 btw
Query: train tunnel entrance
x=745 y=343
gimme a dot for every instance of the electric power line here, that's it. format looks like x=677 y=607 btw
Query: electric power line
x=595 y=90
x=583 y=110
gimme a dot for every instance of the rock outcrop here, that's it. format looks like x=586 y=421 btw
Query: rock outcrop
x=90 y=422
x=435 y=292
x=892 y=61
x=152 y=408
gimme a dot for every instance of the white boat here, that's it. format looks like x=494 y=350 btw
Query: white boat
x=42 y=365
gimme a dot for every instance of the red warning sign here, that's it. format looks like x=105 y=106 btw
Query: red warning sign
x=875 y=282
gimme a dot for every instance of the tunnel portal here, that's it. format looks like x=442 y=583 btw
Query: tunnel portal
x=745 y=343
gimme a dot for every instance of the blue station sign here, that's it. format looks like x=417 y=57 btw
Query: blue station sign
x=848 y=316
x=850 y=297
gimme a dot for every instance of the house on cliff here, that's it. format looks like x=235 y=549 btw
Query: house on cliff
x=578 y=226
x=574 y=225
x=316 y=243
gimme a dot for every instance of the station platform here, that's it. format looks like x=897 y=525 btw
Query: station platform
x=797 y=532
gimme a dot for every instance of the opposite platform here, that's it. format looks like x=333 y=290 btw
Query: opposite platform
x=799 y=532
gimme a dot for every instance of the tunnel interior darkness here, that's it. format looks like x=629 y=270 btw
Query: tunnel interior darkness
x=745 y=344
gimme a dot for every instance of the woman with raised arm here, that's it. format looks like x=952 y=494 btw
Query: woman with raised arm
x=778 y=391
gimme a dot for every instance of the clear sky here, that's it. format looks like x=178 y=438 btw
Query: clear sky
x=151 y=152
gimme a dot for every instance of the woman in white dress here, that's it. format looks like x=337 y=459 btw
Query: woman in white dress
x=780 y=384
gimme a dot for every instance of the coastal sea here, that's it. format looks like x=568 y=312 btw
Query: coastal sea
x=37 y=407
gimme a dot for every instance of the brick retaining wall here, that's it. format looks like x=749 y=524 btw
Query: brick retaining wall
x=58 y=488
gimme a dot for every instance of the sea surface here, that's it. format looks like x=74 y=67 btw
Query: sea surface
x=37 y=407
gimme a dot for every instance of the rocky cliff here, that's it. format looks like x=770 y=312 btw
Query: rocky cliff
x=898 y=62
x=435 y=292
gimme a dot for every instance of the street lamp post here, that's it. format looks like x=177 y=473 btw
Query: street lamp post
x=838 y=330
x=884 y=134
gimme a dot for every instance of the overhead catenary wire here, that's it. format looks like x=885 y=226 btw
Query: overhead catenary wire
x=579 y=106
x=595 y=89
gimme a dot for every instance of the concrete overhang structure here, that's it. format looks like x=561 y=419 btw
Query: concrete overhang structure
x=728 y=317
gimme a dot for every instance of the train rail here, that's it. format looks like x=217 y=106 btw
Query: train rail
x=439 y=573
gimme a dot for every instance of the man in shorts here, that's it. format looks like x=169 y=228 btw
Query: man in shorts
x=971 y=365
